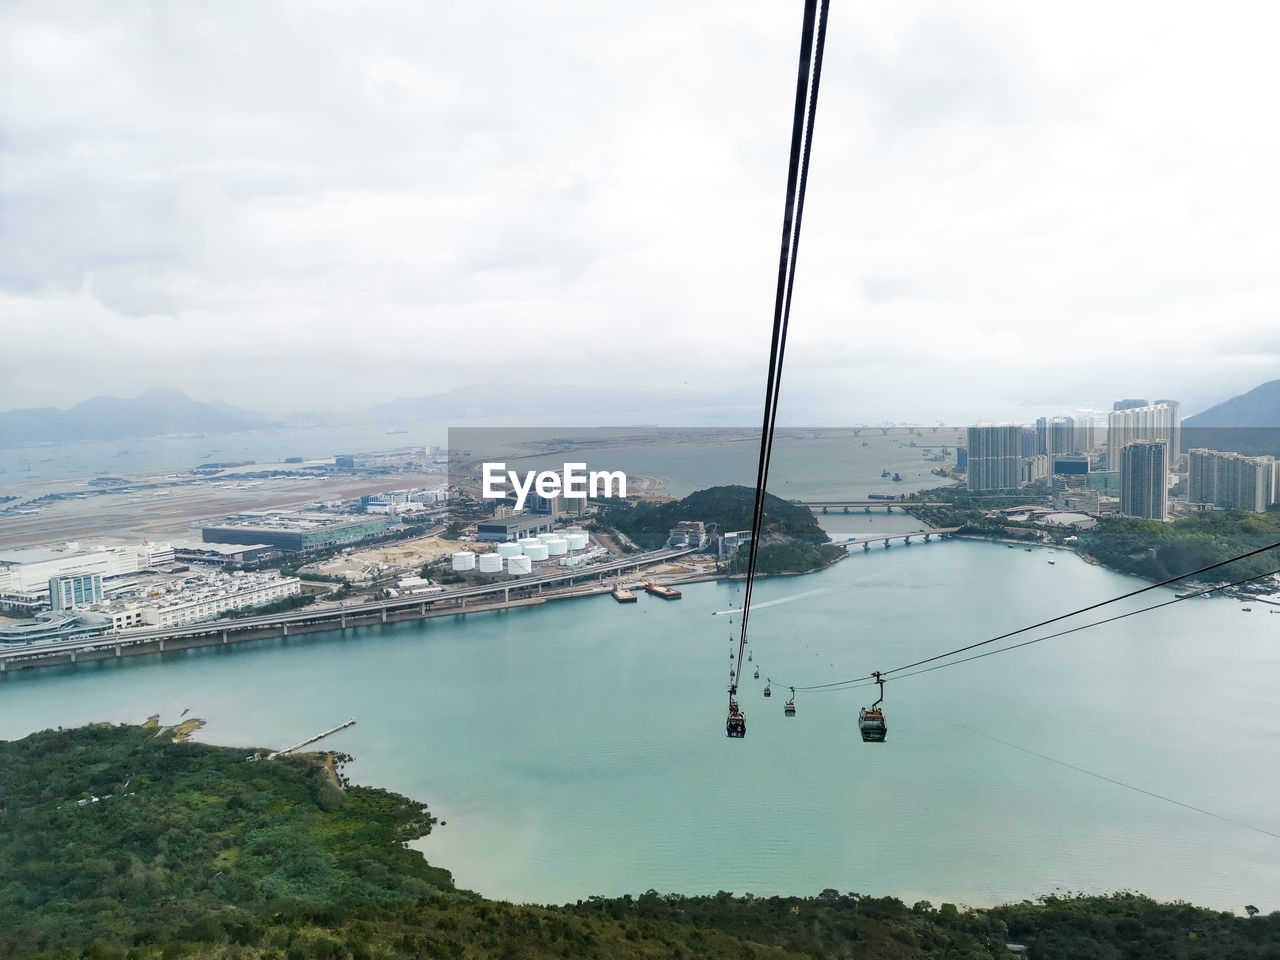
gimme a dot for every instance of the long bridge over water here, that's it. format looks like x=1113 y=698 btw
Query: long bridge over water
x=886 y=539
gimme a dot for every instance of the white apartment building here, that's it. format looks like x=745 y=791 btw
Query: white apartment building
x=1158 y=421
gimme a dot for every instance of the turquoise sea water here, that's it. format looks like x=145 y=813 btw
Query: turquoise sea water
x=578 y=747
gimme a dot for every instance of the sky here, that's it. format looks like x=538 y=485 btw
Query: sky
x=1013 y=208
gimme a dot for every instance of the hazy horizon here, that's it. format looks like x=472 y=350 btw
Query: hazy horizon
x=1009 y=208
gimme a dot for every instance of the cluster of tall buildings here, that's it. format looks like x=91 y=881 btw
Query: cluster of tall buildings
x=1056 y=436
x=1232 y=481
x=1143 y=449
x=1161 y=420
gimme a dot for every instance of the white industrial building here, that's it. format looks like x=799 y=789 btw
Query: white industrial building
x=28 y=570
x=25 y=574
x=206 y=600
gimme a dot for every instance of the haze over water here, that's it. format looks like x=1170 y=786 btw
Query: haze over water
x=578 y=748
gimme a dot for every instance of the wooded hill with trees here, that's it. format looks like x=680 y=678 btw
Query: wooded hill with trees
x=118 y=843
x=793 y=541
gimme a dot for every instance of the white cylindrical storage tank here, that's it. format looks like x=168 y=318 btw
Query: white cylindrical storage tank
x=518 y=565
x=557 y=547
x=490 y=563
x=536 y=551
x=576 y=541
x=574 y=530
x=544 y=537
x=464 y=560
x=508 y=549
x=526 y=543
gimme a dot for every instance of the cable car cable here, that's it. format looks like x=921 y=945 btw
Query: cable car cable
x=1121 y=783
x=807 y=83
x=862 y=682
x=1065 y=616
x=790 y=235
x=1086 y=626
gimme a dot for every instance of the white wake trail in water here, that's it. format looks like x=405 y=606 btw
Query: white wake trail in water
x=772 y=603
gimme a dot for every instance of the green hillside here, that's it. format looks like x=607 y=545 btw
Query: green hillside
x=1158 y=551
x=192 y=850
x=793 y=541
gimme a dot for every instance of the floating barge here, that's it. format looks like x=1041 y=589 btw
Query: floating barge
x=623 y=595
x=658 y=590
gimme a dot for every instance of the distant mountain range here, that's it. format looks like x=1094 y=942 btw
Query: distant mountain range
x=154 y=413
x=1248 y=424
x=1260 y=407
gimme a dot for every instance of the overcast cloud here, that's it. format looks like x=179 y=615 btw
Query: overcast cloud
x=288 y=205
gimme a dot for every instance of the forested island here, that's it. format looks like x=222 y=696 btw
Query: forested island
x=792 y=540
x=125 y=843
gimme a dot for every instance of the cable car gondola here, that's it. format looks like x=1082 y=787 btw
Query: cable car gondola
x=736 y=726
x=768 y=692
x=757 y=673
x=871 y=719
x=789 y=710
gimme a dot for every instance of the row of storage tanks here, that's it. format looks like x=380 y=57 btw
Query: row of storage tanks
x=519 y=557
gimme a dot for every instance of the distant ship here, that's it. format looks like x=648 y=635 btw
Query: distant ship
x=394 y=432
x=896 y=478
x=883 y=474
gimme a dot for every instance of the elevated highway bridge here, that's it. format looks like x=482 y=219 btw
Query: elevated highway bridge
x=887 y=539
x=209 y=633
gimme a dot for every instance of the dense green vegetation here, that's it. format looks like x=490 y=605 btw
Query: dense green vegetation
x=793 y=541
x=789 y=557
x=279 y=605
x=1159 y=551
x=193 y=850
x=122 y=835
x=1145 y=548
x=968 y=511
x=1134 y=927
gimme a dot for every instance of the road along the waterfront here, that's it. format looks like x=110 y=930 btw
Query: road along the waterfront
x=518 y=591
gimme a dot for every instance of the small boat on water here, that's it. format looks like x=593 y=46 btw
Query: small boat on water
x=623 y=595
x=883 y=474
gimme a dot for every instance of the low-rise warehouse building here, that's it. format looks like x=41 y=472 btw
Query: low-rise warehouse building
x=294 y=533
x=512 y=528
